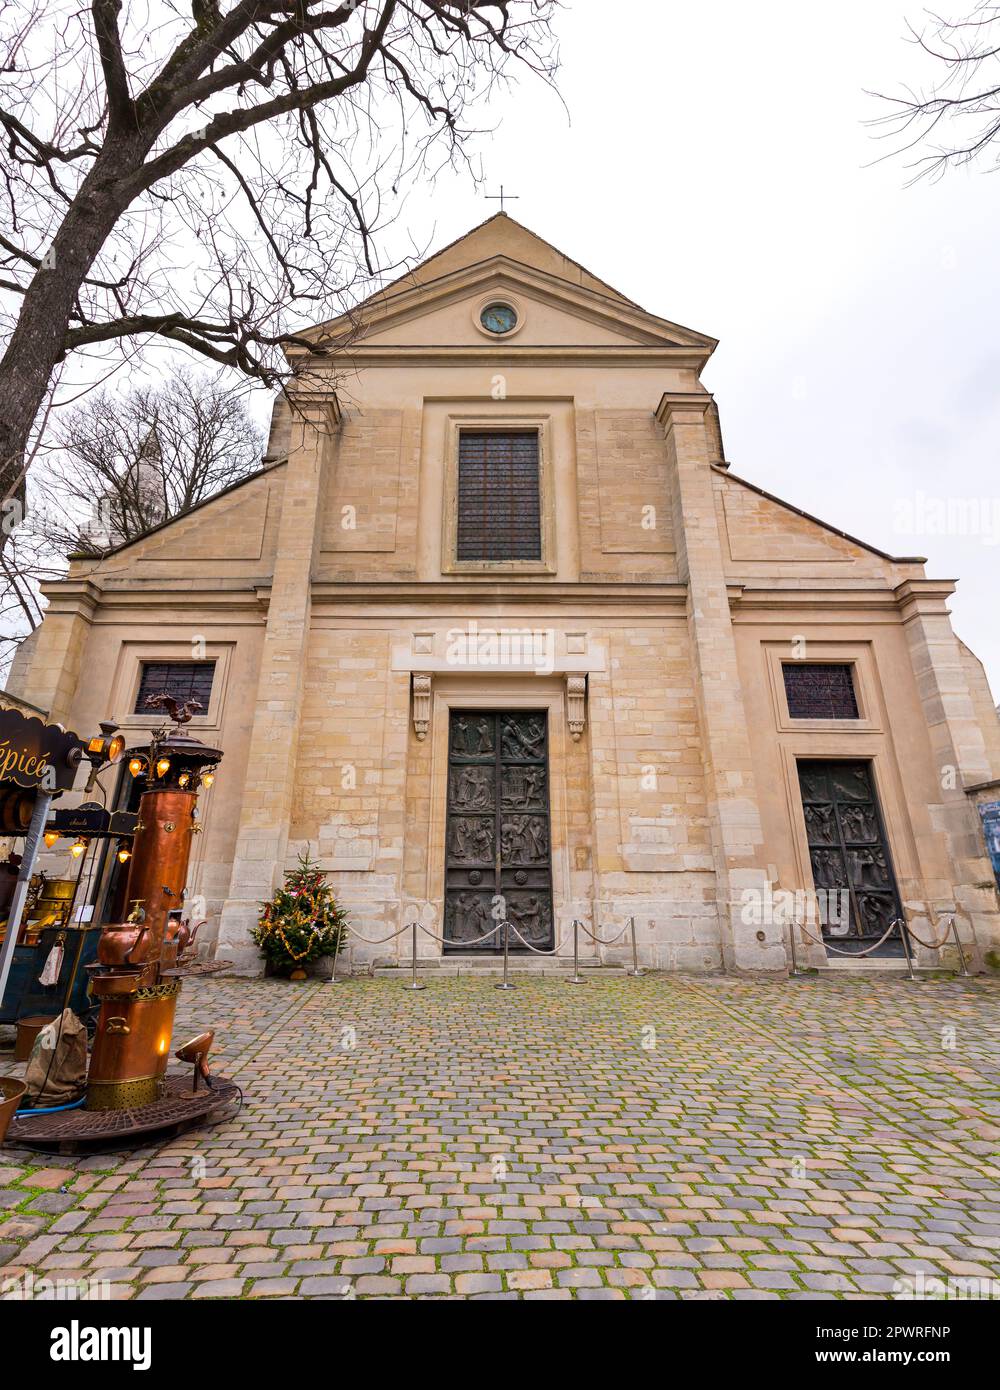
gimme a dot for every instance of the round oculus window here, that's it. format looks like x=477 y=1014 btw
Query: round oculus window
x=498 y=318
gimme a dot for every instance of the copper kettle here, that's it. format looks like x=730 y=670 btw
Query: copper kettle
x=126 y=943
x=180 y=935
x=186 y=934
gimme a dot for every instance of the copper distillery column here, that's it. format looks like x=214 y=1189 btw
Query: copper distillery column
x=160 y=854
x=136 y=979
x=132 y=1042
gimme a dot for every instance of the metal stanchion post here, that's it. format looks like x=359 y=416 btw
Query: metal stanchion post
x=505 y=982
x=635 y=971
x=904 y=933
x=336 y=953
x=961 y=953
x=791 y=946
x=576 y=978
x=414 y=982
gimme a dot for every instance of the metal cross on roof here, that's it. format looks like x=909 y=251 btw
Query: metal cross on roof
x=503 y=197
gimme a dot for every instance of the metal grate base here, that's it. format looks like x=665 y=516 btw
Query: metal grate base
x=79 y=1131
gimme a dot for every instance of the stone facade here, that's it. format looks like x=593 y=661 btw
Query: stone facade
x=669 y=593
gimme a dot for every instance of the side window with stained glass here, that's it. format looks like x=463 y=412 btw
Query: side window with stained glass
x=184 y=680
x=820 y=690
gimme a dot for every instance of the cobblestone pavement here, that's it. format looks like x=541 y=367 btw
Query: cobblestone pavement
x=691 y=1137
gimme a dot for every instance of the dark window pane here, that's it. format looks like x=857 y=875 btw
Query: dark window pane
x=820 y=691
x=184 y=680
x=498 y=505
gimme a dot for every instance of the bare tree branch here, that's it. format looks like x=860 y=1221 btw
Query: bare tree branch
x=109 y=46
x=115 y=467
x=214 y=178
x=956 y=120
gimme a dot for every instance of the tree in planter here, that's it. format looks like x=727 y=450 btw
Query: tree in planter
x=301 y=922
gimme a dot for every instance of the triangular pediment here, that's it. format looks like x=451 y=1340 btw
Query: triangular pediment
x=503 y=235
x=559 y=301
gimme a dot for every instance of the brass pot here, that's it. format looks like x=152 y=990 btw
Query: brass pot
x=11 y=1095
x=28 y=1029
x=57 y=890
x=115 y=982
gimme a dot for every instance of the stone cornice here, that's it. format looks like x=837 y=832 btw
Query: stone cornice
x=77 y=596
x=319 y=401
x=917 y=597
x=467 y=593
x=509 y=354
x=837 y=597
x=844 y=602
x=96 y=602
x=978 y=787
x=678 y=402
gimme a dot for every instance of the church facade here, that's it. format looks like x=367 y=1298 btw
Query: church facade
x=496 y=621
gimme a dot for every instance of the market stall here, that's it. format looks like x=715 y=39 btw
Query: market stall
x=38 y=762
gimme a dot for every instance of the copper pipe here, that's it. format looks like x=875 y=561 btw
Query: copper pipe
x=160 y=853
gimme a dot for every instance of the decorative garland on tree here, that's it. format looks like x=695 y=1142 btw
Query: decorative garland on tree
x=301 y=922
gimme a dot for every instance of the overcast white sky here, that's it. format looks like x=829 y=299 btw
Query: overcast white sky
x=718 y=170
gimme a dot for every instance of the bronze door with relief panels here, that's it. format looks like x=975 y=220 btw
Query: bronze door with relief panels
x=849 y=852
x=498 y=835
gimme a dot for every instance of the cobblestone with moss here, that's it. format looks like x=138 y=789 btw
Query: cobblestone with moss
x=669 y=1137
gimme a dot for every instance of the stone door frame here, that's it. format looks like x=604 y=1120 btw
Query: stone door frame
x=490 y=693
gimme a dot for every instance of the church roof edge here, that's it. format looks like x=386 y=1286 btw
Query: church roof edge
x=726 y=472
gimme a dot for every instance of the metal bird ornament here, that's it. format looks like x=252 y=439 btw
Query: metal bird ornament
x=179 y=713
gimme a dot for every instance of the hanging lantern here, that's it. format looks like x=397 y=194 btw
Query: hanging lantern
x=124 y=852
x=78 y=847
x=103 y=750
x=162 y=767
x=50 y=837
x=137 y=766
x=184 y=779
x=208 y=778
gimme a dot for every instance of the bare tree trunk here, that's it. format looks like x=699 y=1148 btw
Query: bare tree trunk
x=37 y=343
x=291 y=84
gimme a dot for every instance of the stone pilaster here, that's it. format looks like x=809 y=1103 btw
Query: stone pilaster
x=265 y=814
x=52 y=672
x=734 y=814
x=961 y=755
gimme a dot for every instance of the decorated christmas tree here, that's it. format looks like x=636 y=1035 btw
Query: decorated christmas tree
x=301 y=922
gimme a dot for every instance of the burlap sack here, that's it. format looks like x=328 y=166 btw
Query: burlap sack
x=57 y=1068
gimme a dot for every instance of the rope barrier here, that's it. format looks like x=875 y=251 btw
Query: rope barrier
x=599 y=941
x=473 y=941
x=935 y=946
x=857 y=954
x=906 y=933
x=554 y=952
x=507 y=927
x=379 y=941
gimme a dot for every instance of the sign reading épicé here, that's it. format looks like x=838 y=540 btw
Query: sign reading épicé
x=36 y=755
